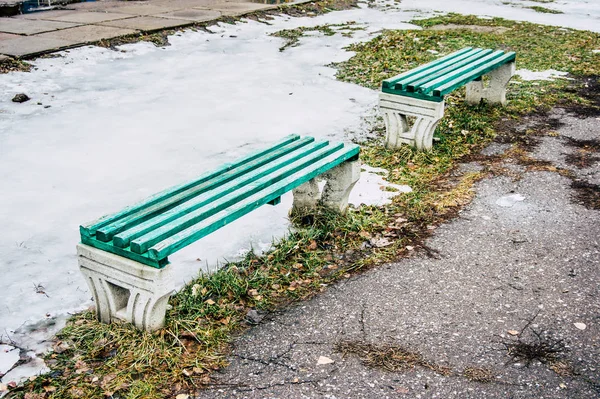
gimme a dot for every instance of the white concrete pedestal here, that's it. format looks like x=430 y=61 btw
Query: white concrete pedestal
x=124 y=289
x=396 y=109
x=339 y=183
x=495 y=93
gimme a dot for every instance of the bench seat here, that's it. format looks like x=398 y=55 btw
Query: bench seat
x=420 y=92
x=145 y=234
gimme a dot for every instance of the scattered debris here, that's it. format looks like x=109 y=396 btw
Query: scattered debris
x=478 y=374
x=388 y=357
x=534 y=345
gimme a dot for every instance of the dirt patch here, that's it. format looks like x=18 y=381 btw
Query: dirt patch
x=587 y=87
x=474 y=28
x=587 y=194
x=581 y=159
x=526 y=131
x=388 y=357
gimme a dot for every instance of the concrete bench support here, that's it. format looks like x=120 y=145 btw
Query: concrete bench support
x=396 y=110
x=126 y=290
x=495 y=93
x=339 y=183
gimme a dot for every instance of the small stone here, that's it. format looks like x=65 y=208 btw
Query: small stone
x=580 y=326
x=253 y=317
x=324 y=360
x=562 y=385
x=409 y=248
x=513 y=332
x=20 y=98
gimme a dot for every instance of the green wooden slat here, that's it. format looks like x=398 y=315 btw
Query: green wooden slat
x=390 y=83
x=482 y=70
x=428 y=74
x=141 y=244
x=107 y=232
x=108 y=247
x=174 y=243
x=436 y=83
x=415 y=85
x=239 y=184
x=89 y=229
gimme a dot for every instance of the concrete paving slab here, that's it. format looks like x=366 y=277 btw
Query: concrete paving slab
x=96 y=5
x=187 y=3
x=24 y=46
x=87 y=34
x=144 y=9
x=6 y=36
x=235 y=9
x=43 y=15
x=147 y=23
x=86 y=17
x=31 y=27
x=192 y=15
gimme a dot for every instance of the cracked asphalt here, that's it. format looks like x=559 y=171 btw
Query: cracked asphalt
x=522 y=258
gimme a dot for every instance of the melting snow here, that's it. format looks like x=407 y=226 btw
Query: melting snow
x=548 y=74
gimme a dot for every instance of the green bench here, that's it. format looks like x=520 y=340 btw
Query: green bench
x=419 y=93
x=124 y=256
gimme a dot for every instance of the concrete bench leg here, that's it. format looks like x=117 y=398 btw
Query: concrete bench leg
x=496 y=92
x=126 y=290
x=396 y=109
x=306 y=197
x=340 y=181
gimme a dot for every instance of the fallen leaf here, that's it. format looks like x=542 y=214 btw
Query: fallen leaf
x=313 y=245
x=209 y=302
x=253 y=292
x=580 y=326
x=381 y=242
x=195 y=289
x=513 y=332
x=324 y=360
x=409 y=247
x=182 y=396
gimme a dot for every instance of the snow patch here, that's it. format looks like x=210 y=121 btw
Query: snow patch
x=509 y=200
x=373 y=189
x=548 y=74
x=9 y=356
